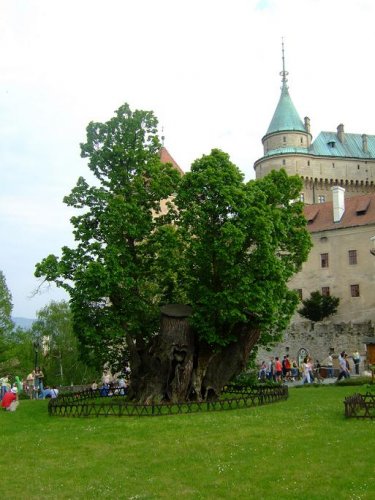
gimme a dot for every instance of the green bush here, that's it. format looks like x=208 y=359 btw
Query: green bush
x=250 y=378
x=354 y=381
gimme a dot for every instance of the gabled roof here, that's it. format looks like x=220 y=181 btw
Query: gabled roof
x=165 y=157
x=359 y=211
x=328 y=144
x=285 y=117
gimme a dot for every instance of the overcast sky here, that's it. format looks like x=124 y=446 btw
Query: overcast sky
x=209 y=69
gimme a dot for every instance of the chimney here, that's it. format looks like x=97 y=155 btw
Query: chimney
x=364 y=143
x=338 y=202
x=307 y=124
x=340 y=132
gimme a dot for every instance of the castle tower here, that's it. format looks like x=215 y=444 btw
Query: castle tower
x=286 y=130
x=334 y=158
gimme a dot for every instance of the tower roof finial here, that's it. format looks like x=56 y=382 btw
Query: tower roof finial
x=283 y=73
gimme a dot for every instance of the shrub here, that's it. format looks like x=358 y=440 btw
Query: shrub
x=319 y=306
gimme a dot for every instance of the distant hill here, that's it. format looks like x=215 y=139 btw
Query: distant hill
x=24 y=323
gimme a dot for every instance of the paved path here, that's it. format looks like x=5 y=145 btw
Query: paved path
x=325 y=381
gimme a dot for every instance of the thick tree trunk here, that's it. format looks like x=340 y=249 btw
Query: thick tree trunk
x=177 y=367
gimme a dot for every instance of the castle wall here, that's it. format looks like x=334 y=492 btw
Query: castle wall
x=320 y=174
x=319 y=339
x=340 y=274
x=286 y=140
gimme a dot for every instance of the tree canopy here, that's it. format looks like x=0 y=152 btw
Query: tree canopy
x=225 y=246
x=113 y=274
x=242 y=242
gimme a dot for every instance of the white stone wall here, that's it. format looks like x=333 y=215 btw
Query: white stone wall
x=339 y=274
x=286 y=140
x=320 y=173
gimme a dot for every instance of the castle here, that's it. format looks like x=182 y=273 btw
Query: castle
x=338 y=174
x=332 y=159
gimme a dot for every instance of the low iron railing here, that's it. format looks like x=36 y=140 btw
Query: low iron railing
x=95 y=403
x=360 y=406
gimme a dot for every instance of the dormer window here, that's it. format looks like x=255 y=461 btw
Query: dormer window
x=331 y=144
x=362 y=206
x=312 y=215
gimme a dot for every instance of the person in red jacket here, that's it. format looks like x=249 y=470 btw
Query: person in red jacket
x=8 y=399
x=278 y=369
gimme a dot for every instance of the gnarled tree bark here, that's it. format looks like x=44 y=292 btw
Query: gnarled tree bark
x=179 y=367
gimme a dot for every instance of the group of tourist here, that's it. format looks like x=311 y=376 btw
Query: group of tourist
x=289 y=370
x=32 y=386
x=35 y=388
x=112 y=385
x=279 y=370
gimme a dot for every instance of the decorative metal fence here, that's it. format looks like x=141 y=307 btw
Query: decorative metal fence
x=360 y=406
x=95 y=403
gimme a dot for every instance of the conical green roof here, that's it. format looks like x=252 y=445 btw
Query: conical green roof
x=285 y=116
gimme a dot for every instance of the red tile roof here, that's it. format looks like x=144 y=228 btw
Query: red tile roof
x=167 y=158
x=359 y=211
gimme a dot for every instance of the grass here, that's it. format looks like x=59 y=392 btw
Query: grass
x=301 y=448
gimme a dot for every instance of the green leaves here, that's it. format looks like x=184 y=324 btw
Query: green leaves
x=224 y=246
x=242 y=243
x=318 y=307
x=114 y=274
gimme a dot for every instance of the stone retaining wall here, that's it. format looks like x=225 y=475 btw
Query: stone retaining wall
x=321 y=338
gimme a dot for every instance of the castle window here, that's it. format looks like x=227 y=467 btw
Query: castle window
x=352 y=257
x=302 y=197
x=325 y=291
x=284 y=139
x=333 y=164
x=354 y=290
x=321 y=198
x=283 y=162
x=308 y=163
x=324 y=259
x=357 y=167
x=301 y=140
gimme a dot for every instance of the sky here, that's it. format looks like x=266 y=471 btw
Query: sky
x=208 y=69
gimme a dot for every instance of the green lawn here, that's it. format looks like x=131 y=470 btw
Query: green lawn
x=300 y=448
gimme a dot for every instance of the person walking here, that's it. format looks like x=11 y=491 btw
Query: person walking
x=356 y=361
x=307 y=370
x=330 y=365
x=271 y=369
x=278 y=369
x=5 y=386
x=30 y=379
x=344 y=369
x=39 y=377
